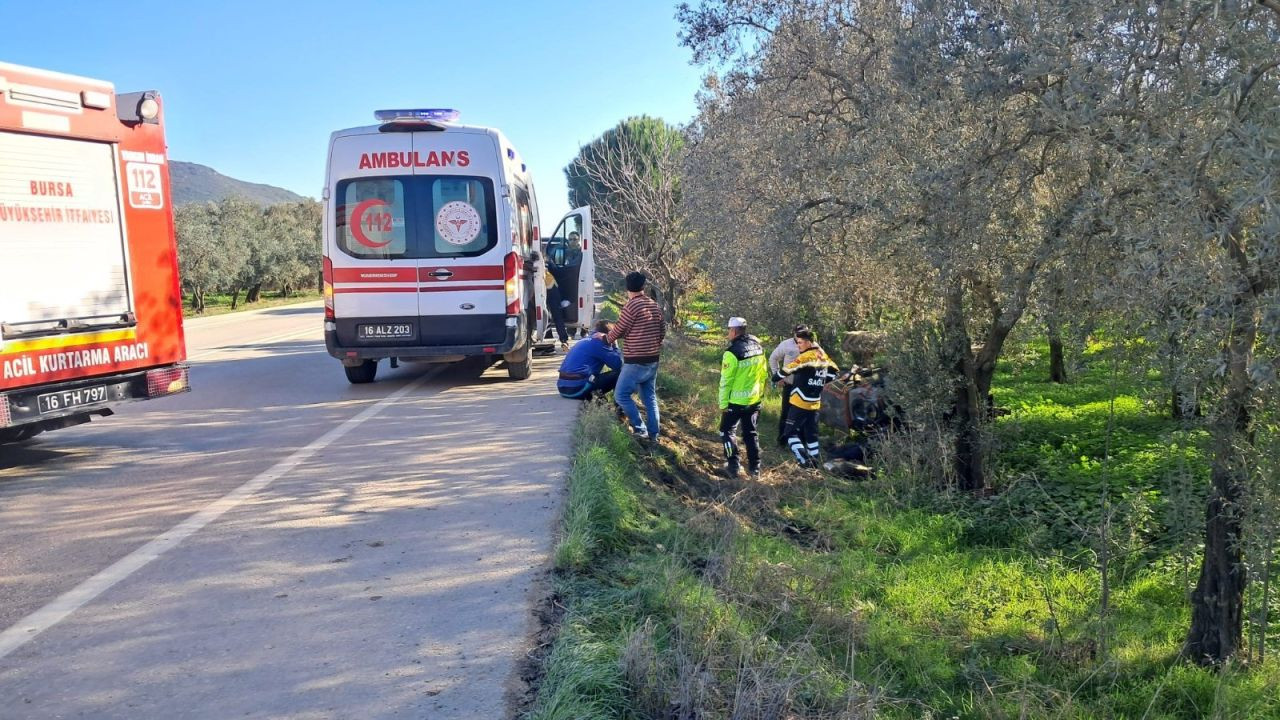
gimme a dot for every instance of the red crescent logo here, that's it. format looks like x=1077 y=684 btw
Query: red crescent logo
x=357 y=219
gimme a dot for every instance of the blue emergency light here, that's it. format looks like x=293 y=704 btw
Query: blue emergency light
x=432 y=115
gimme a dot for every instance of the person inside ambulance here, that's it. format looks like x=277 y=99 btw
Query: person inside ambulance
x=573 y=253
x=565 y=253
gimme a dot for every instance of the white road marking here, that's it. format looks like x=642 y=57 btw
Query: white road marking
x=57 y=610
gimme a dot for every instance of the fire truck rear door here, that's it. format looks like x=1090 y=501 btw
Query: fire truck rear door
x=62 y=242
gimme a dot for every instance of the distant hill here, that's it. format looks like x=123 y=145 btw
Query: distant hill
x=194 y=183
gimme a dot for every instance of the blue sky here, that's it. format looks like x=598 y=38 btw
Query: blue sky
x=253 y=89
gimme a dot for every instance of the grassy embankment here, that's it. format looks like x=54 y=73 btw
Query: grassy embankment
x=805 y=595
x=221 y=304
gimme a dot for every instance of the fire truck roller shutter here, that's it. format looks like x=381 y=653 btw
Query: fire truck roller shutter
x=60 y=208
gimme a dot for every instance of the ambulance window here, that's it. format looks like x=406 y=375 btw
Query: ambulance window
x=371 y=218
x=525 y=217
x=464 y=219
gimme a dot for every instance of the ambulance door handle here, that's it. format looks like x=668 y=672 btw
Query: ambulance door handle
x=441 y=274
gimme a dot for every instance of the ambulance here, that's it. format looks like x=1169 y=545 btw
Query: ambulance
x=433 y=250
x=90 y=306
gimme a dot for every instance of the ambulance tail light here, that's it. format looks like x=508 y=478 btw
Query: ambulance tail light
x=327 y=274
x=511 y=278
x=167 y=381
x=5 y=418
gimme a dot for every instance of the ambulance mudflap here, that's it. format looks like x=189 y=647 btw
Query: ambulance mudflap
x=431 y=247
x=90 y=307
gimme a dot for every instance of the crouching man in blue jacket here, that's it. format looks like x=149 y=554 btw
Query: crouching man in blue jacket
x=583 y=373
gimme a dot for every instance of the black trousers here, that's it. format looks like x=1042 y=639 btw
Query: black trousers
x=602 y=384
x=782 y=415
x=802 y=433
x=554 y=298
x=749 y=417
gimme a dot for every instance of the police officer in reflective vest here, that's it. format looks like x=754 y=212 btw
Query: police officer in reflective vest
x=744 y=374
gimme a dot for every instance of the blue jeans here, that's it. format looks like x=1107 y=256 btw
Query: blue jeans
x=639 y=377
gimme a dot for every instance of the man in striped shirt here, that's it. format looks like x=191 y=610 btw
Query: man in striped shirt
x=641 y=329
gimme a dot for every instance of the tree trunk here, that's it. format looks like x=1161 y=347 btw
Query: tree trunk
x=669 y=298
x=967 y=405
x=1217 y=603
x=254 y=294
x=1057 y=367
x=1177 y=409
x=235 y=297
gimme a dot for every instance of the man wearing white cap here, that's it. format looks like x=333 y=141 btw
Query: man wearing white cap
x=744 y=374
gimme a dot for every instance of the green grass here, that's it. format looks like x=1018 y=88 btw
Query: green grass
x=221 y=304
x=814 y=597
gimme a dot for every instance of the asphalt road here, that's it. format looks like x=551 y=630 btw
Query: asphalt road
x=278 y=543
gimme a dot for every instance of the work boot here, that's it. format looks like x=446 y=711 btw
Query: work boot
x=731 y=470
x=754 y=473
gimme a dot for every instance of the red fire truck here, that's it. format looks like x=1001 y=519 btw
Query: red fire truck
x=90 y=306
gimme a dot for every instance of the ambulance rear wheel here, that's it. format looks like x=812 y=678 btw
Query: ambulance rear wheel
x=523 y=368
x=362 y=373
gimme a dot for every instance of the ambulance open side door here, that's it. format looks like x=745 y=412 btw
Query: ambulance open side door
x=570 y=256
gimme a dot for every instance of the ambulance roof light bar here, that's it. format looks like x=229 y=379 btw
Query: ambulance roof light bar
x=425 y=115
x=432 y=119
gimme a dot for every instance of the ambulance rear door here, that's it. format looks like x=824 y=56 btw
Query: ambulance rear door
x=462 y=249
x=570 y=255
x=371 y=248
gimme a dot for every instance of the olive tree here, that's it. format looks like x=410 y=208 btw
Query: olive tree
x=978 y=148
x=1199 y=119
x=209 y=258
x=938 y=137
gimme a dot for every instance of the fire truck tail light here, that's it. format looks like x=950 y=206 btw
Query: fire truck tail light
x=4 y=412
x=167 y=381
